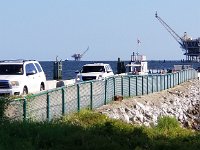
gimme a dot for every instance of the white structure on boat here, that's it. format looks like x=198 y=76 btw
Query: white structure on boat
x=138 y=65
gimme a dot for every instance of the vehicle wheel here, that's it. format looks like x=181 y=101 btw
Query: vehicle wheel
x=25 y=91
x=42 y=87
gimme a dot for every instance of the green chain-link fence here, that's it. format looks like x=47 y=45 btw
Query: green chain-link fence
x=91 y=94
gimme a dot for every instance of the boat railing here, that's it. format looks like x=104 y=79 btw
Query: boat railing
x=138 y=58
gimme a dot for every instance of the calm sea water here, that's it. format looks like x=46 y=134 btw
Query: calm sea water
x=69 y=67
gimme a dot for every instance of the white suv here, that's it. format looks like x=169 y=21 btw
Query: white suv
x=96 y=71
x=19 y=77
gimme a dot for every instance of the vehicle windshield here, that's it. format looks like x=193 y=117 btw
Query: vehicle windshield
x=11 y=69
x=87 y=69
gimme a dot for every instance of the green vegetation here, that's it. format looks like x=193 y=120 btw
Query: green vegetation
x=90 y=130
x=3 y=105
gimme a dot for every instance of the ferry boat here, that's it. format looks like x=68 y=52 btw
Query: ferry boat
x=138 y=65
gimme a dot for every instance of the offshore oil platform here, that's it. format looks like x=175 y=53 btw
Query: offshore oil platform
x=191 y=47
x=78 y=56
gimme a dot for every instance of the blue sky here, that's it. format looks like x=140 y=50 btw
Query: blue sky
x=44 y=29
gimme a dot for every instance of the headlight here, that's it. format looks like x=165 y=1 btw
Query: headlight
x=14 y=83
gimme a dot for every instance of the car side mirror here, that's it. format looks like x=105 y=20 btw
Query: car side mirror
x=77 y=71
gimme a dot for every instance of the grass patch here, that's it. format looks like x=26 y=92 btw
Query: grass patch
x=90 y=130
x=167 y=123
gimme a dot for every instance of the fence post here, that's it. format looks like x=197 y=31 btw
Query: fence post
x=183 y=76
x=24 y=109
x=136 y=87
x=170 y=80
x=187 y=74
x=167 y=81
x=105 y=92
x=191 y=74
x=164 y=82
x=152 y=83
x=194 y=74
x=78 y=98
x=114 y=85
x=122 y=92
x=142 y=85
x=157 y=83
x=63 y=101
x=91 y=96
x=129 y=86
x=178 y=78
x=48 y=107
x=175 y=79
x=161 y=83
x=147 y=84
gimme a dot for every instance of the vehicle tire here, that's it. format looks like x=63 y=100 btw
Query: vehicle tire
x=25 y=91
x=42 y=87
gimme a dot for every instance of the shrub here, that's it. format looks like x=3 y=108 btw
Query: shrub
x=167 y=123
x=85 y=118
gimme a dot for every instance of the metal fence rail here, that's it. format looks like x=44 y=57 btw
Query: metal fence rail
x=92 y=94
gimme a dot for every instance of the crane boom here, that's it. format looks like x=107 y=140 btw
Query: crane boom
x=191 y=47
x=85 y=51
x=78 y=56
x=171 y=31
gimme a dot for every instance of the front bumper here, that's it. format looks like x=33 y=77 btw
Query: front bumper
x=11 y=91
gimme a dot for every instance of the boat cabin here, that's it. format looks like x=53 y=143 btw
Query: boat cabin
x=138 y=65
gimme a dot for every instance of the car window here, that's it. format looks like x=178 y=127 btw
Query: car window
x=38 y=67
x=30 y=68
x=109 y=68
x=87 y=69
x=11 y=69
